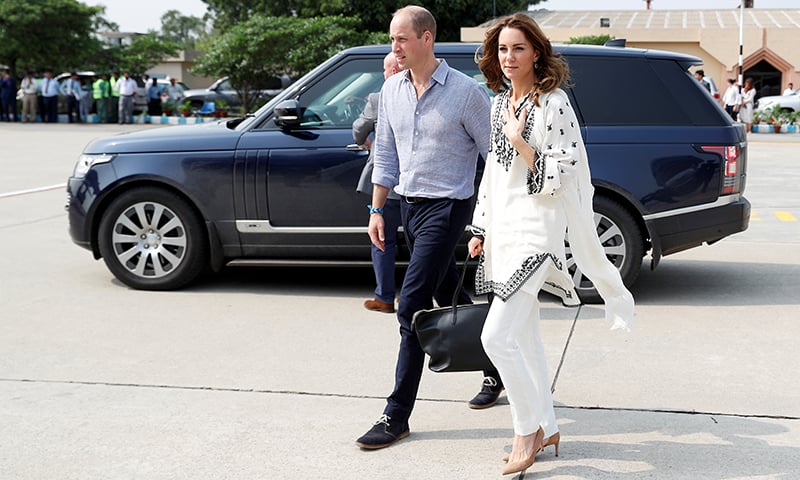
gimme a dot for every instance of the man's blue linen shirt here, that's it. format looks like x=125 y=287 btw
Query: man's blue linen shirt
x=429 y=148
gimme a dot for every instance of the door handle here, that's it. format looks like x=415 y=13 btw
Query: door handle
x=354 y=147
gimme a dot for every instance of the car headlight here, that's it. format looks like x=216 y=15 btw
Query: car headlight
x=86 y=161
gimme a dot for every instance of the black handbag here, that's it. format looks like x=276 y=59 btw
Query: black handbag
x=452 y=335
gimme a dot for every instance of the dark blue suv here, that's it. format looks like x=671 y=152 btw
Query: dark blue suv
x=278 y=187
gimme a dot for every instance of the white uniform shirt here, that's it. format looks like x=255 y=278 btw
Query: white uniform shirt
x=126 y=87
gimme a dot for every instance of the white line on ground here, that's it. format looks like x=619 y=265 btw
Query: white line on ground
x=32 y=190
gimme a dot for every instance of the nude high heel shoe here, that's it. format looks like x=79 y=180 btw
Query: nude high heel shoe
x=526 y=463
x=553 y=439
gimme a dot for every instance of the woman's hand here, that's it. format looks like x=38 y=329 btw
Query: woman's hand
x=475 y=246
x=513 y=126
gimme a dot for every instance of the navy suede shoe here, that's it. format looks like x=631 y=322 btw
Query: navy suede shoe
x=383 y=433
x=489 y=394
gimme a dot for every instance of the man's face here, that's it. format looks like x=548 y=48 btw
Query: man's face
x=409 y=50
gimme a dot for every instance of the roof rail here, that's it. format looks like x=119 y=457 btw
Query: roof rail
x=617 y=42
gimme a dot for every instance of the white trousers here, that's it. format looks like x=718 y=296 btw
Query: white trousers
x=513 y=342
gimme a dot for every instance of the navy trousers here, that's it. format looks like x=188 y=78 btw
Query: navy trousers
x=432 y=229
x=383 y=262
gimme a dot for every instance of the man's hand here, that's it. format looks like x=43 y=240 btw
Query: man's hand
x=376 y=234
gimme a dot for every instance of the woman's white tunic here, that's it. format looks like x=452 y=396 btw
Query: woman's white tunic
x=523 y=216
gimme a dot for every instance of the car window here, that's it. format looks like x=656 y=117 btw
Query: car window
x=224 y=85
x=339 y=97
x=625 y=91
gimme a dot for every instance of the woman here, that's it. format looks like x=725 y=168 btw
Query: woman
x=732 y=99
x=536 y=184
x=748 y=98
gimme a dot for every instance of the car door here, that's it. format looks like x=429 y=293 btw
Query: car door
x=298 y=186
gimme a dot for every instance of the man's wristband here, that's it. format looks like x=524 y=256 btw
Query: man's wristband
x=375 y=209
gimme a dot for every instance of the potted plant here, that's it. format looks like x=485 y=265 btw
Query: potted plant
x=185 y=108
x=793 y=119
x=220 y=108
x=168 y=108
x=776 y=117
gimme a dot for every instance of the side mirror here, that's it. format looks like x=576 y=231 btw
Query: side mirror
x=288 y=114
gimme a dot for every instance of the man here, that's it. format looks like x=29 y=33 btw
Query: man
x=29 y=90
x=126 y=87
x=174 y=91
x=71 y=89
x=433 y=125
x=700 y=75
x=101 y=90
x=49 y=90
x=382 y=260
x=113 y=98
x=8 y=97
x=789 y=89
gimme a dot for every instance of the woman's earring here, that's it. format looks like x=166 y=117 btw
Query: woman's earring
x=536 y=65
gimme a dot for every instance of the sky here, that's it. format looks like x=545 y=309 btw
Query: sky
x=143 y=15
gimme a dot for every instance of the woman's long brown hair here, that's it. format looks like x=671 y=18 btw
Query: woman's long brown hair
x=552 y=69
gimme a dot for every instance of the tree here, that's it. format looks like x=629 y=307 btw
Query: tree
x=145 y=52
x=253 y=52
x=374 y=15
x=590 y=40
x=181 y=30
x=52 y=33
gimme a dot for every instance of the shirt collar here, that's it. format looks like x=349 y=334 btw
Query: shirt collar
x=439 y=75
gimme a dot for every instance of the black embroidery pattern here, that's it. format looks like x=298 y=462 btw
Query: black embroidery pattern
x=477 y=231
x=504 y=290
x=535 y=179
x=504 y=151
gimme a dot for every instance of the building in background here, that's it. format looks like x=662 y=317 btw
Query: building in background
x=178 y=66
x=771 y=53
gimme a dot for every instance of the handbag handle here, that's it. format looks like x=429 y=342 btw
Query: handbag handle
x=454 y=305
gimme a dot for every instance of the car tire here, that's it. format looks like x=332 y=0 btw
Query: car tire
x=622 y=242
x=152 y=239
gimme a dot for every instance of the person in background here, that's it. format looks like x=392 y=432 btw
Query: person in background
x=86 y=99
x=789 y=89
x=8 y=97
x=700 y=75
x=71 y=89
x=174 y=91
x=536 y=184
x=154 y=98
x=29 y=90
x=126 y=87
x=48 y=87
x=732 y=99
x=383 y=261
x=748 y=100
x=101 y=91
x=113 y=98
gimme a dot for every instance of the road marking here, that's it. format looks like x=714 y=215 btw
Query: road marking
x=32 y=190
x=785 y=217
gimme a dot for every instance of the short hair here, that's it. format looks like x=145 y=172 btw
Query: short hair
x=552 y=69
x=421 y=19
x=700 y=72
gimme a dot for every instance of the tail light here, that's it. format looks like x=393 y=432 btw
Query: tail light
x=732 y=166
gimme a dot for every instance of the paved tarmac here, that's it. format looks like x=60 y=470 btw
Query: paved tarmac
x=272 y=373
